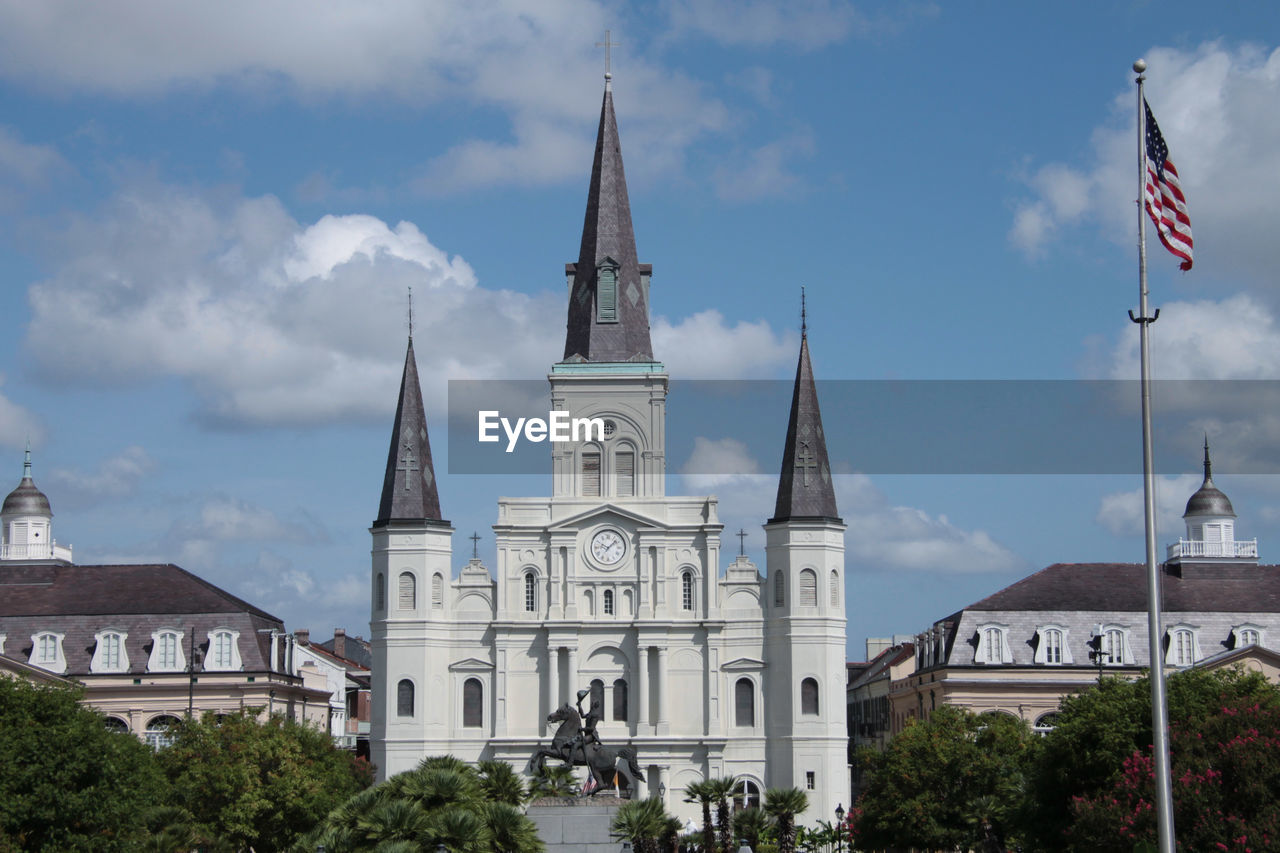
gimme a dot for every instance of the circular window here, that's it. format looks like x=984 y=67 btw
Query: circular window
x=609 y=429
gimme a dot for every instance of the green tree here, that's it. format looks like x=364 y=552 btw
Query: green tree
x=937 y=774
x=721 y=789
x=783 y=804
x=500 y=783
x=553 y=780
x=751 y=825
x=256 y=784
x=642 y=822
x=701 y=793
x=66 y=783
x=1098 y=733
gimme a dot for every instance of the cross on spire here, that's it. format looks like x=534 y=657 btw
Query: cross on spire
x=408 y=464
x=475 y=545
x=411 y=312
x=804 y=318
x=742 y=542
x=608 y=44
x=805 y=460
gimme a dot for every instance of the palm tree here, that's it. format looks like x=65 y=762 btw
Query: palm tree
x=440 y=787
x=669 y=839
x=394 y=820
x=783 y=804
x=700 y=792
x=510 y=831
x=750 y=824
x=460 y=830
x=500 y=784
x=721 y=790
x=553 y=780
x=642 y=822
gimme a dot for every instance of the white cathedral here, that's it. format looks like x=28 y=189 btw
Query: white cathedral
x=612 y=585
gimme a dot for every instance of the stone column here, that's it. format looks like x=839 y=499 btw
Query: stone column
x=664 y=702
x=553 y=685
x=642 y=690
x=574 y=686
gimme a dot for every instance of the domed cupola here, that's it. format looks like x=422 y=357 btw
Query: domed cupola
x=1208 y=499
x=1211 y=523
x=25 y=521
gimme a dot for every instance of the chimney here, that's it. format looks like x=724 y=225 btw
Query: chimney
x=303 y=636
x=340 y=642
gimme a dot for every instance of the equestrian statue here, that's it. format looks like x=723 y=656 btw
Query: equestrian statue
x=577 y=744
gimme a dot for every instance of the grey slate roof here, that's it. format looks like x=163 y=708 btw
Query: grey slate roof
x=607 y=234
x=805 y=489
x=409 y=484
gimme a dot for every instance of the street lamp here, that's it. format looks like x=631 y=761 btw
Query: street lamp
x=662 y=791
x=626 y=845
x=839 y=827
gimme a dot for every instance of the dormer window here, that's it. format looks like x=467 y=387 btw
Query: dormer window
x=993 y=647
x=224 y=651
x=1051 y=646
x=607 y=292
x=1184 y=645
x=1246 y=635
x=46 y=651
x=109 y=653
x=166 y=652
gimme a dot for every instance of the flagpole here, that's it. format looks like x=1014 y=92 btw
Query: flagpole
x=1155 y=632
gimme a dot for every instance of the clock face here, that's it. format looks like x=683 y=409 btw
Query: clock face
x=607 y=547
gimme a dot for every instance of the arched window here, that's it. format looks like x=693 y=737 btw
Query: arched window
x=380 y=592
x=1046 y=723
x=597 y=696
x=624 y=467
x=620 y=700
x=116 y=725
x=686 y=590
x=408 y=591
x=809 y=697
x=404 y=698
x=608 y=602
x=835 y=589
x=530 y=592
x=472 y=703
x=109 y=656
x=1113 y=646
x=220 y=651
x=591 y=473
x=1247 y=637
x=779 y=589
x=744 y=703
x=590 y=598
x=166 y=652
x=746 y=795
x=808 y=588
x=628 y=609
x=1184 y=648
x=1052 y=639
x=437 y=591
x=159 y=733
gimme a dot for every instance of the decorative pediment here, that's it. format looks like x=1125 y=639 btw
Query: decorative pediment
x=744 y=665
x=470 y=665
x=600 y=513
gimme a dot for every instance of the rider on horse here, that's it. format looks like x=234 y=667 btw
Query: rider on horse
x=587 y=734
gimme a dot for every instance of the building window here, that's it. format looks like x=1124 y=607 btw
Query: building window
x=744 y=703
x=1247 y=637
x=992 y=647
x=221 y=651
x=159 y=733
x=472 y=703
x=408 y=591
x=1113 y=646
x=109 y=654
x=597 y=697
x=1053 y=646
x=380 y=592
x=746 y=795
x=810 y=781
x=779 y=589
x=116 y=725
x=591 y=474
x=607 y=294
x=686 y=591
x=404 y=698
x=624 y=463
x=166 y=652
x=608 y=602
x=808 y=588
x=835 y=590
x=809 y=697
x=1182 y=647
x=46 y=651
x=530 y=592
x=620 y=700
x=437 y=591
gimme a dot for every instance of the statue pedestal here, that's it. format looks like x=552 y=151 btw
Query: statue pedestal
x=576 y=824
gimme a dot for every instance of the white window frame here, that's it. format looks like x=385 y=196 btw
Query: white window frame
x=154 y=664
x=607 y=603
x=1042 y=647
x=58 y=662
x=1126 y=645
x=1176 y=633
x=3 y=637
x=688 y=591
x=211 y=664
x=1237 y=635
x=100 y=661
x=986 y=656
x=530 y=591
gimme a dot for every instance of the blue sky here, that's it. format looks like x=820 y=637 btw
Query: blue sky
x=209 y=217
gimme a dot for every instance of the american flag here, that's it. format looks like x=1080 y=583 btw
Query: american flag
x=1165 y=202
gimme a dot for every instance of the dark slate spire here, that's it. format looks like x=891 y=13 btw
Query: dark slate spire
x=409 y=486
x=1208 y=499
x=608 y=299
x=805 y=490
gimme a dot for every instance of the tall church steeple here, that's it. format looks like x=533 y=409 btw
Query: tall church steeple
x=805 y=488
x=608 y=287
x=409 y=485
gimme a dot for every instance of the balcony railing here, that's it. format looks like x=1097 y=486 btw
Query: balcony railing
x=1226 y=550
x=36 y=551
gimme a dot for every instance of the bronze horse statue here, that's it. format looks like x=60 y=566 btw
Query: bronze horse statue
x=605 y=762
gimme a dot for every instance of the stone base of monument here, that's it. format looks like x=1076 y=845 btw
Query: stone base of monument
x=576 y=824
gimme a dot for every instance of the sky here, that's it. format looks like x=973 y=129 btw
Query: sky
x=210 y=216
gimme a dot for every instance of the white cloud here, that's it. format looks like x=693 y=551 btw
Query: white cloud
x=25 y=163
x=115 y=477
x=716 y=464
x=704 y=346
x=224 y=519
x=1215 y=106
x=1123 y=513
x=17 y=423
x=762 y=172
x=804 y=24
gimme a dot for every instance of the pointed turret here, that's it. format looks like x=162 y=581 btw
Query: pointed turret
x=608 y=287
x=1209 y=499
x=805 y=489
x=409 y=485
